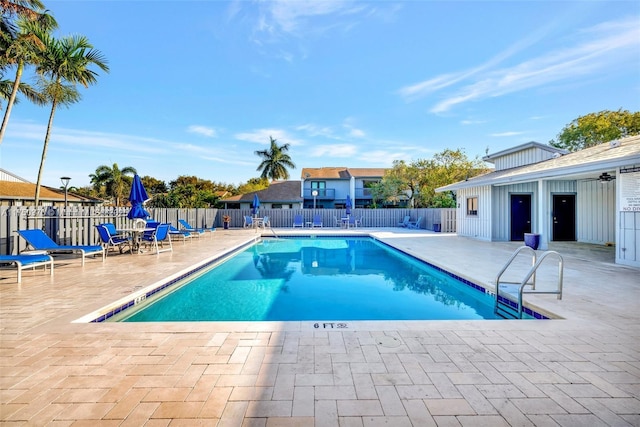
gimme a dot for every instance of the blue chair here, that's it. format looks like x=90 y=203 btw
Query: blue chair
x=39 y=241
x=157 y=237
x=405 y=222
x=111 y=227
x=317 y=221
x=266 y=221
x=298 y=221
x=415 y=225
x=248 y=222
x=181 y=234
x=197 y=231
x=109 y=240
x=27 y=261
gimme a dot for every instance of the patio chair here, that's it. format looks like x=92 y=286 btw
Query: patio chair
x=183 y=235
x=354 y=221
x=111 y=227
x=193 y=230
x=317 y=221
x=110 y=241
x=266 y=222
x=157 y=238
x=27 y=261
x=404 y=222
x=39 y=241
x=248 y=222
x=298 y=221
x=415 y=225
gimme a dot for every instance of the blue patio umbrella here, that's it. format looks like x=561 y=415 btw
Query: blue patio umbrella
x=256 y=204
x=348 y=205
x=137 y=197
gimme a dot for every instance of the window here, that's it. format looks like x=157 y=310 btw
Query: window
x=320 y=187
x=472 y=206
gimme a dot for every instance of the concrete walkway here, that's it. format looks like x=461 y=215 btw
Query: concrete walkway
x=581 y=370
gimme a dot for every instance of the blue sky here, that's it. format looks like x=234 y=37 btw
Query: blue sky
x=196 y=87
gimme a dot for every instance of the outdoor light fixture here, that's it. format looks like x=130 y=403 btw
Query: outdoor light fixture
x=314 y=193
x=605 y=177
x=65 y=181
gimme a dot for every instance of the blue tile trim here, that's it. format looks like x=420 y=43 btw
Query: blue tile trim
x=480 y=288
x=131 y=303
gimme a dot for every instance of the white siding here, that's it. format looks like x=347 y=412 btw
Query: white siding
x=628 y=248
x=521 y=158
x=502 y=208
x=478 y=226
x=595 y=211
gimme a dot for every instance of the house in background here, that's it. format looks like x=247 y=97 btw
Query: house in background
x=279 y=195
x=589 y=196
x=328 y=187
x=17 y=191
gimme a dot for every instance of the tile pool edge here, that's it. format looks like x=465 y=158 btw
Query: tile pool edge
x=108 y=311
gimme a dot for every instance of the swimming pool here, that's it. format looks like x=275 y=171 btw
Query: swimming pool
x=317 y=279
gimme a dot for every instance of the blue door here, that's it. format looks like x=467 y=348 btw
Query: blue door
x=520 y=216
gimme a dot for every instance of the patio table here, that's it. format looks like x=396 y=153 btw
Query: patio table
x=136 y=236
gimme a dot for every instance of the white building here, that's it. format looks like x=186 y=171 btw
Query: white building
x=590 y=196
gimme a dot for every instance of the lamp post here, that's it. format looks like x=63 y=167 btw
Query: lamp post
x=314 y=193
x=65 y=181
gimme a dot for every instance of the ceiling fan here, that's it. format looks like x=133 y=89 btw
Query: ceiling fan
x=605 y=177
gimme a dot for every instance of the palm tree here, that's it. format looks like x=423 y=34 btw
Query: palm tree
x=275 y=161
x=25 y=48
x=65 y=60
x=25 y=8
x=114 y=179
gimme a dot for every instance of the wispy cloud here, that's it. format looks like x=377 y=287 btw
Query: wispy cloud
x=505 y=134
x=202 y=130
x=472 y=122
x=334 y=150
x=597 y=49
x=292 y=17
x=261 y=136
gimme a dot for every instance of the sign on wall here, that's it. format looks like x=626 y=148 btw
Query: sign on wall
x=630 y=191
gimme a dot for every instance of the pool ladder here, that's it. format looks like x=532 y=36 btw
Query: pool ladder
x=509 y=302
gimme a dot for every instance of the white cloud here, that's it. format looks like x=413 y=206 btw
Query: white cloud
x=472 y=122
x=315 y=130
x=202 y=130
x=261 y=136
x=505 y=134
x=598 y=48
x=334 y=150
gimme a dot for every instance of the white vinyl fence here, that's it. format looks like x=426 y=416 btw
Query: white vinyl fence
x=76 y=225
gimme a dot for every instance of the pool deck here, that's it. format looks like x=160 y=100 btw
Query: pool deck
x=581 y=370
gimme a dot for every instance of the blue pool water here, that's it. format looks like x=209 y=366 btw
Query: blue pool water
x=320 y=279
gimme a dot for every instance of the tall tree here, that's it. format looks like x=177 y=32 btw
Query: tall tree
x=115 y=181
x=275 y=161
x=65 y=63
x=24 y=8
x=596 y=128
x=25 y=48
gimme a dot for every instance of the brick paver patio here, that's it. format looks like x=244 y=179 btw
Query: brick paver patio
x=583 y=370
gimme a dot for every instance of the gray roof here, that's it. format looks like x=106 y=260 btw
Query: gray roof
x=491 y=157
x=277 y=192
x=603 y=157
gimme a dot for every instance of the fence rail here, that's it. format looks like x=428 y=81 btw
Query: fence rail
x=76 y=225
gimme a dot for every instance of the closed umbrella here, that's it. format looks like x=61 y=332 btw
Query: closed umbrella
x=256 y=204
x=137 y=197
x=348 y=205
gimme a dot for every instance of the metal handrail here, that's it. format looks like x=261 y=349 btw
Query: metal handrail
x=530 y=277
